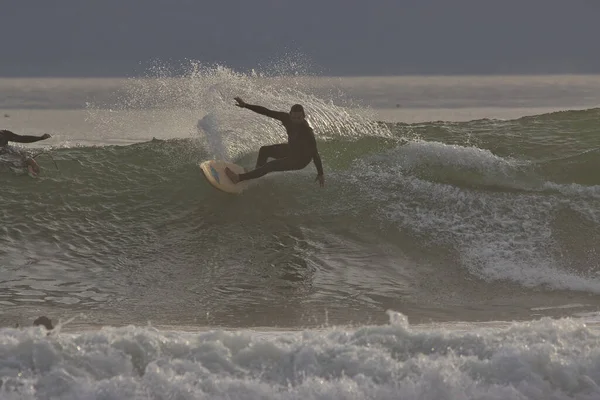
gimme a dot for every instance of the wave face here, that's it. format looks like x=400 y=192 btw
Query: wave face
x=437 y=220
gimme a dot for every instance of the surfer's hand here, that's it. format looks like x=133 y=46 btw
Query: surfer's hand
x=321 y=180
x=240 y=102
x=46 y=136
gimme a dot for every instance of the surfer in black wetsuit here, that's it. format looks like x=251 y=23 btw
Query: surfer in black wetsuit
x=300 y=150
x=8 y=136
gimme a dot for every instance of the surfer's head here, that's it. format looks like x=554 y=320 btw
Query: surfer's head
x=297 y=113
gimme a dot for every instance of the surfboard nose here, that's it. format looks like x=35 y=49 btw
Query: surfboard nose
x=214 y=170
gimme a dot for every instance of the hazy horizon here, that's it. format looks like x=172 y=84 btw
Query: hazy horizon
x=143 y=74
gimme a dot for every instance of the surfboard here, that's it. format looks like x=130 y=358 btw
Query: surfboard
x=214 y=172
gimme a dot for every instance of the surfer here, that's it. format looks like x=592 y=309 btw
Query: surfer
x=300 y=150
x=8 y=136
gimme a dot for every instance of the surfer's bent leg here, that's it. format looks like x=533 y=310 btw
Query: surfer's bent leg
x=276 y=151
x=282 y=164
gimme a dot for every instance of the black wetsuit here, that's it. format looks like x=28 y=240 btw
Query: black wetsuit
x=300 y=149
x=8 y=136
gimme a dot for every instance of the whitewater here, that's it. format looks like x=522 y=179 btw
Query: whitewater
x=453 y=253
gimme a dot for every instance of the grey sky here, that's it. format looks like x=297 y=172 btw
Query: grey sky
x=112 y=37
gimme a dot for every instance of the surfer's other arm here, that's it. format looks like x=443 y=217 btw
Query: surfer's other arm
x=312 y=143
x=320 y=177
x=8 y=136
x=279 y=115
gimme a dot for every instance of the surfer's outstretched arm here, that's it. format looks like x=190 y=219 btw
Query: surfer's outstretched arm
x=278 y=115
x=8 y=136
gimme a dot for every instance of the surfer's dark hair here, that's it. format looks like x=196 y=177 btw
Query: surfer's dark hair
x=297 y=107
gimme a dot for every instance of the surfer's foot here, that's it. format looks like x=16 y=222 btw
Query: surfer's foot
x=232 y=175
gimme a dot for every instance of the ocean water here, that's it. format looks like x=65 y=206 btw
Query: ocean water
x=453 y=253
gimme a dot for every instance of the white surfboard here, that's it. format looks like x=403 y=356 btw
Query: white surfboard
x=214 y=171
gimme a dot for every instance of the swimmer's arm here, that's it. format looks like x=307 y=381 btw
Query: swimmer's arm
x=13 y=137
